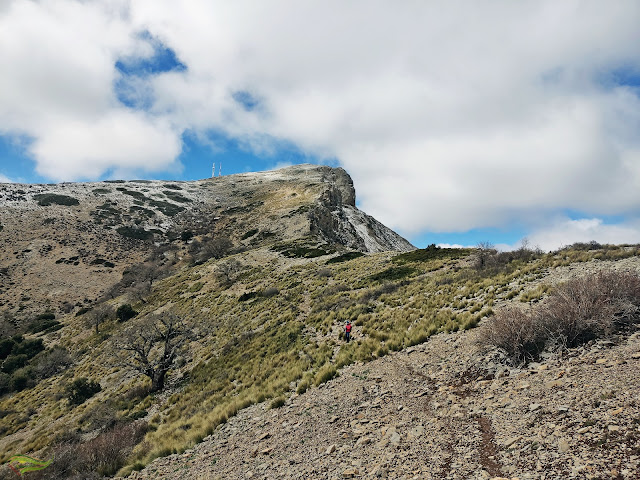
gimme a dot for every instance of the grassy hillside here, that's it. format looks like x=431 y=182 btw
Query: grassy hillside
x=263 y=324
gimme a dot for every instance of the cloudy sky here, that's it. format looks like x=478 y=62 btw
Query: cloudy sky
x=460 y=122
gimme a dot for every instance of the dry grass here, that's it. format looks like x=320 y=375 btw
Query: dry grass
x=259 y=349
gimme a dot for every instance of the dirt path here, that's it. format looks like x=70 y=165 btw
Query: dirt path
x=441 y=410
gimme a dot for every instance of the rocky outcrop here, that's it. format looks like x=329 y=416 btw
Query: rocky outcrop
x=336 y=219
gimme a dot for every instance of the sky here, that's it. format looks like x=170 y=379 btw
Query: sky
x=460 y=122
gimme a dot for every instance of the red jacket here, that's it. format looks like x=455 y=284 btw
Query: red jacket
x=348 y=328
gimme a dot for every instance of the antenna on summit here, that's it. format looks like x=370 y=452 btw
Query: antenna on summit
x=220 y=169
x=213 y=170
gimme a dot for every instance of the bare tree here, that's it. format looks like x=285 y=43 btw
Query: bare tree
x=229 y=270
x=485 y=250
x=98 y=315
x=154 y=345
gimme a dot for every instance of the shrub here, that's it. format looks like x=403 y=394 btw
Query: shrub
x=345 y=257
x=392 y=273
x=125 y=312
x=47 y=199
x=44 y=322
x=82 y=389
x=135 y=233
x=51 y=362
x=20 y=380
x=29 y=347
x=517 y=333
x=278 y=402
x=324 y=273
x=249 y=234
x=14 y=362
x=270 y=292
x=577 y=311
x=6 y=346
x=432 y=252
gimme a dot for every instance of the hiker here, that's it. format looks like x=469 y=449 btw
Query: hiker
x=347 y=331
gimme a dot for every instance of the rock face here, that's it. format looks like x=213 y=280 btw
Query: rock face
x=63 y=245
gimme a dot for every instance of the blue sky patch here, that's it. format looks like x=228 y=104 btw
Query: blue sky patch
x=246 y=100
x=130 y=87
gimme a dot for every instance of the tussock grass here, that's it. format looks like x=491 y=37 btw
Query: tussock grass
x=260 y=349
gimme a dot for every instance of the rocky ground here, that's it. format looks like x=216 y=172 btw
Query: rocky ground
x=447 y=409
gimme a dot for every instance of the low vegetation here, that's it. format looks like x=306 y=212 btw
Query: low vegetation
x=260 y=330
x=46 y=199
x=576 y=312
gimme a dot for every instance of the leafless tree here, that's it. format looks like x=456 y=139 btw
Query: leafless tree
x=98 y=315
x=229 y=270
x=154 y=345
x=485 y=250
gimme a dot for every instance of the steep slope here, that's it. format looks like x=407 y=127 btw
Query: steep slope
x=63 y=246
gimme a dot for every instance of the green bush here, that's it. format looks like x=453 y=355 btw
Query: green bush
x=6 y=346
x=135 y=233
x=20 y=380
x=345 y=257
x=81 y=389
x=29 y=347
x=44 y=322
x=47 y=199
x=125 y=312
x=392 y=273
x=432 y=252
x=14 y=362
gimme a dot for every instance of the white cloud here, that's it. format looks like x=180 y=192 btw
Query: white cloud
x=5 y=179
x=563 y=232
x=448 y=117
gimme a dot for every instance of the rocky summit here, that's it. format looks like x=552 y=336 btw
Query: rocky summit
x=63 y=245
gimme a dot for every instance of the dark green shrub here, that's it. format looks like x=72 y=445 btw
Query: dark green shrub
x=392 y=273
x=6 y=346
x=186 y=235
x=249 y=234
x=81 y=389
x=30 y=347
x=125 y=312
x=20 y=380
x=302 y=250
x=44 y=322
x=432 y=252
x=176 y=197
x=46 y=199
x=4 y=383
x=14 y=362
x=345 y=257
x=169 y=209
x=135 y=233
x=248 y=296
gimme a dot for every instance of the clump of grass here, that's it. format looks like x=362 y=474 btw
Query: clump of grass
x=535 y=294
x=325 y=374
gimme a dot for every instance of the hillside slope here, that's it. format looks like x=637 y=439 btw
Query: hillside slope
x=445 y=409
x=63 y=246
